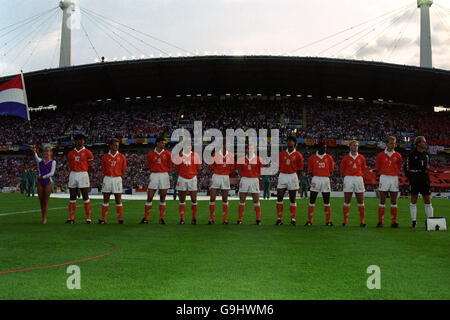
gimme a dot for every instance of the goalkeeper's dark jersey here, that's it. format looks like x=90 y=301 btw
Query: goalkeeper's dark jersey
x=416 y=165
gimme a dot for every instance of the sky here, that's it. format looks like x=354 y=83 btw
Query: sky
x=373 y=30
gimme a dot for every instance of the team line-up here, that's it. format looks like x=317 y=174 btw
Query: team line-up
x=186 y=164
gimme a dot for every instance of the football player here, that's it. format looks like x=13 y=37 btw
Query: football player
x=291 y=165
x=187 y=164
x=249 y=168
x=222 y=164
x=388 y=164
x=159 y=162
x=80 y=161
x=113 y=167
x=320 y=165
x=352 y=167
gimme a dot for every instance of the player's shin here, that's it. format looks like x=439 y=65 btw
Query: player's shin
x=381 y=210
x=225 y=209
x=212 y=208
x=148 y=207
x=428 y=210
x=346 y=210
x=310 y=212
x=182 y=209
x=413 y=211
x=327 y=208
x=119 y=210
x=194 y=209
x=162 y=210
x=87 y=208
x=362 y=212
x=105 y=208
x=258 y=211
x=293 y=211
x=280 y=210
x=394 y=213
x=241 y=211
x=72 y=207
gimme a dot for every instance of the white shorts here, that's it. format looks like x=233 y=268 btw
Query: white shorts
x=354 y=184
x=320 y=184
x=112 y=185
x=79 y=179
x=220 y=181
x=288 y=181
x=249 y=185
x=159 y=181
x=187 y=184
x=388 y=183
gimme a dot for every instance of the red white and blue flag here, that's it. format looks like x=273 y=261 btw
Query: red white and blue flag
x=13 y=98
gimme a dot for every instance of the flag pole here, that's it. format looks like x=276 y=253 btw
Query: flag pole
x=26 y=103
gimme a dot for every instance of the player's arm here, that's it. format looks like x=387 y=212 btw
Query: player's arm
x=364 y=167
x=90 y=161
x=169 y=161
x=148 y=161
x=124 y=165
x=197 y=161
x=310 y=166
x=342 y=167
x=331 y=165
x=103 y=164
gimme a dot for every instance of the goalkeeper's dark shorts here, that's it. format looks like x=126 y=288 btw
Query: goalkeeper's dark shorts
x=420 y=185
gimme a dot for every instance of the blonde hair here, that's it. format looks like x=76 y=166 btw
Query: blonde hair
x=418 y=140
x=391 y=138
x=353 y=141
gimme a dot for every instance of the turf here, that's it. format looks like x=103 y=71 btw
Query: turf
x=217 y=261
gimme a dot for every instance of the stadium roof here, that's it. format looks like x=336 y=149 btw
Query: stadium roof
x=218 y=75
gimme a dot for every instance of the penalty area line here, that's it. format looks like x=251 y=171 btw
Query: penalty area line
x=67 y=263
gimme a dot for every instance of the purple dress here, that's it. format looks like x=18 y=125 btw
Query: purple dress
x=46 y=170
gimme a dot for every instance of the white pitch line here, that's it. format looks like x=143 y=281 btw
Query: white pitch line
x=38 y=210
x=29 y=211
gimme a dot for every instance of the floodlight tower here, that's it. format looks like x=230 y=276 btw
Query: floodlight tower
x=65 y=56
x=425 y=33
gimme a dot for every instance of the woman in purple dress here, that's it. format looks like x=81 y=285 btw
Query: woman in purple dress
x=46 y=168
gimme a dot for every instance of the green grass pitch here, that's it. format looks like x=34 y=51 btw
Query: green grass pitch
x=221 y=262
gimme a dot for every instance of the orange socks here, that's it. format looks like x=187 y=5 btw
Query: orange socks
x=280 y=210
x=194 y=210
x=394 y=213
x=119 y=210
x=212 y=208
x=258 y=211
x=182 y=210
x=87 y=208
x=162 y=210
x=241 y=211
x=72 y=207
x=105 y=208
x=293 y=210
x=225 y=209
x=381 y=210
x=362 y=212
x=148 y=207
x=346 y=210
x=310 y=212
x=327 y=208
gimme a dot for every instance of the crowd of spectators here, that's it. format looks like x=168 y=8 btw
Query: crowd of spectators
x=143 y=118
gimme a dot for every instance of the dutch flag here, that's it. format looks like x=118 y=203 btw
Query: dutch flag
x=13 y=98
